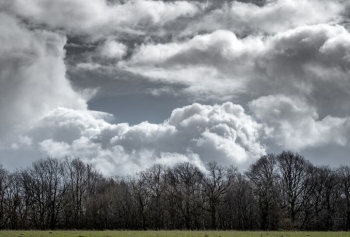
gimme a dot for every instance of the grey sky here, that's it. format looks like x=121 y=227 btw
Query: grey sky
x=126 y=84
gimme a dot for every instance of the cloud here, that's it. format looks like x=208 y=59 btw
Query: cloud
x=291 y=123
x=196 y=133
x=309 y=61
x=53 y=149
x=274 y=17
x=100 y=18
x=289 y=72
x=32 y=76
x=113 y=49
x=216 y=63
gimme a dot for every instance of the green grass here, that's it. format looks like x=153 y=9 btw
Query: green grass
x=168 y=234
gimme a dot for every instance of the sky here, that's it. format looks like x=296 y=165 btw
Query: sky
x=126 y=84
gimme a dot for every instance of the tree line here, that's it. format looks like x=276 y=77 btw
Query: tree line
x=278 y=191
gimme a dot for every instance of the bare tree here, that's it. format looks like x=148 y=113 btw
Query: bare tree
x=124 y=209
x=263 y=176
x=44 y=185
x=277 y=192
x=76 y=177
x=4 y=182
x=16 y=202
x=216 y=183
x=294 y=172
x=142 y=197
x=240 y=210
x=155 y=183
x=185 y=182
x=344 y=182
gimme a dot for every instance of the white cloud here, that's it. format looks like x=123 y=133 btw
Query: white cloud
x=293 y=124
x=113 y=49
x=274 y=17
x=98 y=18
x=195 y=133
x=310 y=61
x=32 y=76
x=54 y=149
x=217 y=63
x=294 y=71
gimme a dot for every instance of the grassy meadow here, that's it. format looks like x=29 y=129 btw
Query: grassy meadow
x=168 y=234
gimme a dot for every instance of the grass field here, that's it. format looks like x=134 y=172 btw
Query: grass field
x=168 y=234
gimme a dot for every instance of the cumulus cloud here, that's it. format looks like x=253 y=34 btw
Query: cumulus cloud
x=311 y=61
x=287 y=62
x=32 y=76
x=100 y=18
x=113 y=50
x=293 y=124
x=54 y=149
x=196 y=133
x=218 y=63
